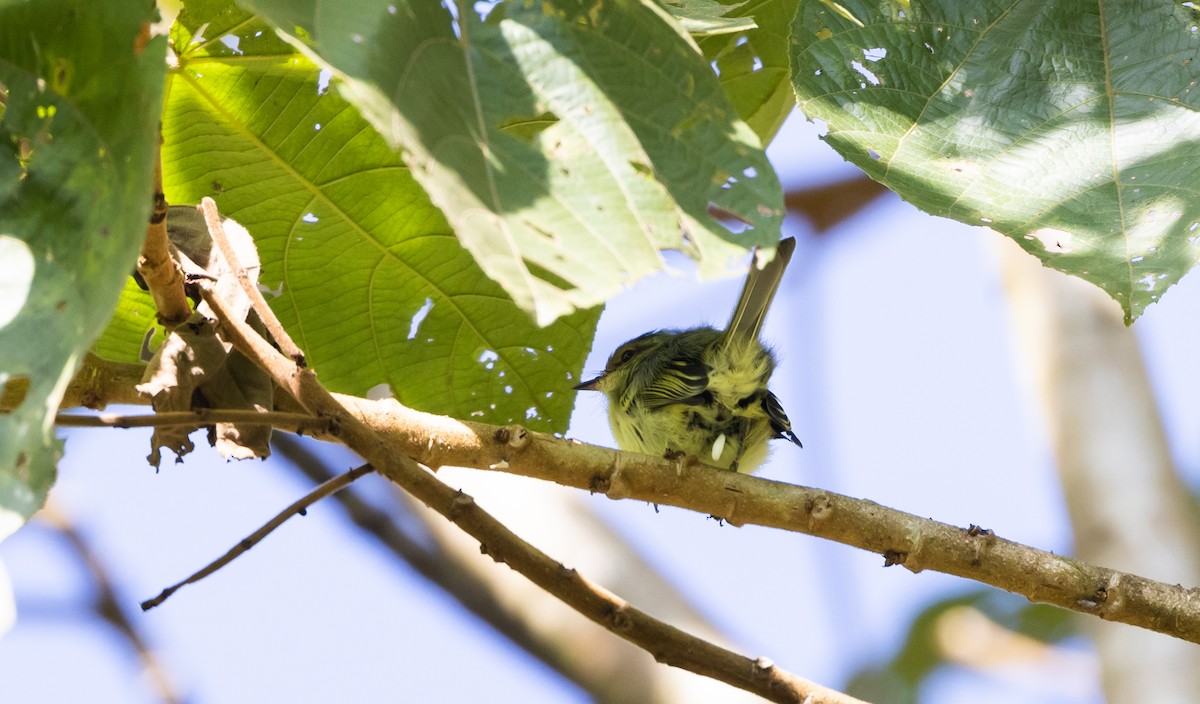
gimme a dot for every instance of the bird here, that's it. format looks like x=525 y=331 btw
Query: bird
x=702 y=392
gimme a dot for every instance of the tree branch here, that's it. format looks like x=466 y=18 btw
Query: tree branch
x=157 y=267
x=295 y=422
x=903 y=538
x=609 y=670
x=109 y=606
x=98 y=383
x=297 y=507
x=1102 y=419
x=216 y=228
x=666 y=643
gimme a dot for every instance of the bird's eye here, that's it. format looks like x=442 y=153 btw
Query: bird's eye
x=627 y=355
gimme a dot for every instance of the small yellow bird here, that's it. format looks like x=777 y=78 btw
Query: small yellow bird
x=702 y=392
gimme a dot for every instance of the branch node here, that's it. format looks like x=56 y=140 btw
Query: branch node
x=618 y=618
x=975 y=531
x=820 y=509
x=729 y=515
x=518 y=437
x=460 y=503
x=987 y=538
x=613 y=485
x=894 y=557
x=764 y=663
x=334 y=425
x=1109 y=599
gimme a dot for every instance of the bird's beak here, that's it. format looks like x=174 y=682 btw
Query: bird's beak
x=591 y=385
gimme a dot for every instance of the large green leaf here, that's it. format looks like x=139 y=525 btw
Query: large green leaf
x=80 y=116
x=755 y=66
x=363 y=270
x=1072 y=127
x=567 y=141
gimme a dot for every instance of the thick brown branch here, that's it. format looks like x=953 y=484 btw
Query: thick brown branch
x=666 y=643
x=902 y=538
x=559 y=643
x=156 y=266
x=829 y=205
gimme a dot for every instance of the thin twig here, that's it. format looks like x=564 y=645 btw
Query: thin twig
x=667 y=643
x=109 y=607
x=296 y=422
x=156 y=266
x=297 y=507
x=217 y=231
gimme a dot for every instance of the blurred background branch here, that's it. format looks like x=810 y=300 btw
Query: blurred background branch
x=1127 y=502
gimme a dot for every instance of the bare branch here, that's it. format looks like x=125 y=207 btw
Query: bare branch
x=666 y=643
x=297 y=507
x=608 y=669
x=156 y=266
x=903 y=538
x=1102 y=419
x=217 y=230
x=295 y=422
x=438 y=567
x=828 y=205
x=109 y=607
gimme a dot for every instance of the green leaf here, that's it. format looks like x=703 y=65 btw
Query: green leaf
x=361 y=267
x=755 y=66
x=707 y=17
x=901 y=676
x=637 y=143
x=83 y=98
x=1068 y=126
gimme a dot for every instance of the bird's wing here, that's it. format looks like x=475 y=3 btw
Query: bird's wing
x=779 y=420
x=683 y=380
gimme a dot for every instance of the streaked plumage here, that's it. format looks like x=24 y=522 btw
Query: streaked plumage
x=702 y=391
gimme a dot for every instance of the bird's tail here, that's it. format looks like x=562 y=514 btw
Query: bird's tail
x=757 y=294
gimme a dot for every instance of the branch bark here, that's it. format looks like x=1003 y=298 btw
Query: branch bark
x=294 y=422
x=902 y=538
x=666 y=643
x=157 y=267
x=609 y=670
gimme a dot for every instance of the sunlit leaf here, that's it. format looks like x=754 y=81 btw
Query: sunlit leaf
x=83 y=94
x=1069 y=126
x=637 y=144
x=361 y=268
x=755 y=66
